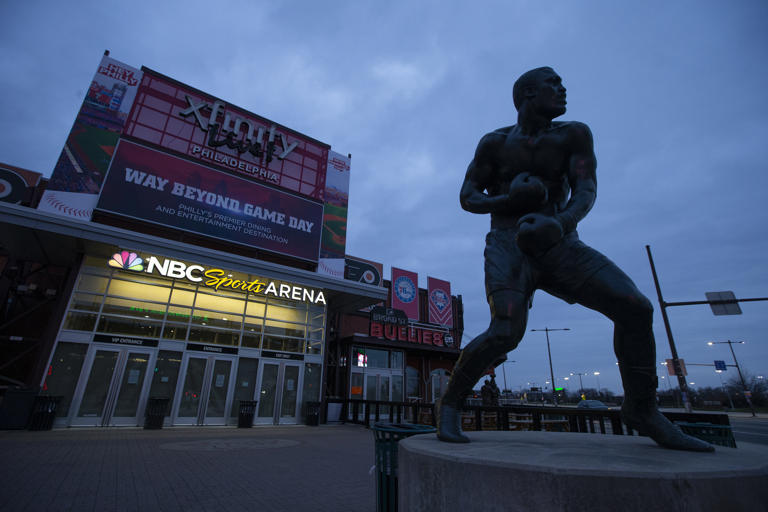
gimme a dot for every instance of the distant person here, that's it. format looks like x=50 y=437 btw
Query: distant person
x=495 y=391
x=537 y=180
x=486 y=393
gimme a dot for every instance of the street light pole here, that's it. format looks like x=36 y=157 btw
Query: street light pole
x=597 y=376
x=747 y=392
x=581 y=384
x=549 y=353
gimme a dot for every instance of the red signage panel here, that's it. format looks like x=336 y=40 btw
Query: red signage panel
x=439 y=294
x=405 y=292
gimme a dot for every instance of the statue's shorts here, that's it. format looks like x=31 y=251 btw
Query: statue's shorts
x=561 y=271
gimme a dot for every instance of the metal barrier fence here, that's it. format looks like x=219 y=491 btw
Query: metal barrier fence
x=509 y=417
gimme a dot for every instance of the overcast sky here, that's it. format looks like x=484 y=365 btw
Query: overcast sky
x=674 y=92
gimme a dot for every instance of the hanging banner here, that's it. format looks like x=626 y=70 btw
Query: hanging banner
x=439 y=294
x=149 y=185
x=364 y=271
x=77 y=178
x=405 y=292
x=334 y=238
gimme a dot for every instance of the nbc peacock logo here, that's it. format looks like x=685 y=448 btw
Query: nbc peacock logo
x=127 y=260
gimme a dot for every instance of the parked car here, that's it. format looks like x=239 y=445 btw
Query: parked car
x=592 y=404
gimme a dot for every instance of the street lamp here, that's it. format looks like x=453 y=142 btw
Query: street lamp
x=597 y=375
x=549 y=353
x=747 y=392
x=581 y=384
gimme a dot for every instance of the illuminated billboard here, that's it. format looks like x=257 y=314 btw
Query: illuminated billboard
x=149 y=185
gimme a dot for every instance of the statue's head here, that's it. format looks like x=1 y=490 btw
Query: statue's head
x=543 y=89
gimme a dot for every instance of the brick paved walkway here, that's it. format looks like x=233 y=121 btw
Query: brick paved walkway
x=295 y=468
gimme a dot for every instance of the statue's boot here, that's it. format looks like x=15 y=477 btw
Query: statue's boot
x=640 y=413
x=448 y=415
x=449 y=423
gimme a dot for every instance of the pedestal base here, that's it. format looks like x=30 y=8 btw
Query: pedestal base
x=543 y=471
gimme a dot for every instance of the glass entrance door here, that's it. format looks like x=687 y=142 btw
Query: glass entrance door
x=114 y=392
x=383 y=386
x=205 y=390
x=278 y=393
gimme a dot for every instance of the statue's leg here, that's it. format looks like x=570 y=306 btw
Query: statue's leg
x=611 y=292
x=509 y=315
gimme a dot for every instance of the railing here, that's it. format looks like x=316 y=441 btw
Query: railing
x=365 y=411
x=510 y=417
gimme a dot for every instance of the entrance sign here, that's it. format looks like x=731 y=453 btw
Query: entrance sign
x=152 y=186
x=124 y=340
x=216 y=349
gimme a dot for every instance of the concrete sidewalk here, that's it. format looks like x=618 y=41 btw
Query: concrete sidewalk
x=292 y=468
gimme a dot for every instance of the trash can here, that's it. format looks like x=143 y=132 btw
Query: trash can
x=387 y=435
x=313 y=414
x=155 y=412
x=43 y=412
x=721 y=435
x=247 y=412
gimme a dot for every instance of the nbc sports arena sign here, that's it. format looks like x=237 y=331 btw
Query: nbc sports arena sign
x=214 y=278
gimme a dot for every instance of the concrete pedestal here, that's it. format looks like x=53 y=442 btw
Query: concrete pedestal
x=543 y=471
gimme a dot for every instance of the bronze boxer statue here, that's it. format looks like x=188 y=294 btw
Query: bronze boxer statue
x=537 y=180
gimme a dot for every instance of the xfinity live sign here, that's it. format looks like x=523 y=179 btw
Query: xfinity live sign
x=215 y=278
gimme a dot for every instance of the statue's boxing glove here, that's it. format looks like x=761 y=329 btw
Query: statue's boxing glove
x=527 y=191
x=537 y=233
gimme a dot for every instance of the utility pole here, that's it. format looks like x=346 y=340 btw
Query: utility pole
x=675 y=360
x=547 y=330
